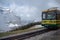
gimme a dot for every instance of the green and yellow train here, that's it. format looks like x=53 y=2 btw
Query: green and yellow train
x=51 y=18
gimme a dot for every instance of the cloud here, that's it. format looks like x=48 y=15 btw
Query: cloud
x=53 y=3
x=25 y=12
x=24 y=8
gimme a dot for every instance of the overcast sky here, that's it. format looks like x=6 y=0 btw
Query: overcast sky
x=28 y=9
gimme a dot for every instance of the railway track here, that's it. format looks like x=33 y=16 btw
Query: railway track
x=26 y=35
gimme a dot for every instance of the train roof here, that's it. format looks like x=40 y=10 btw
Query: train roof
x=52 y=9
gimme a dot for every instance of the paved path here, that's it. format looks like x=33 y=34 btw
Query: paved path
x=53 y=35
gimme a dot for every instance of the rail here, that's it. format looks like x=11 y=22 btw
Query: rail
x=26 y=35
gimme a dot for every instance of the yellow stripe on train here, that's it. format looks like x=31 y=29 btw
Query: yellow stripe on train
x=50 y=21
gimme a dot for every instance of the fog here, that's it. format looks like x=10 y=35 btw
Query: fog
x=27 y=10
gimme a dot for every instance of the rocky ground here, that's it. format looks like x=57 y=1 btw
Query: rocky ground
x=52 y=35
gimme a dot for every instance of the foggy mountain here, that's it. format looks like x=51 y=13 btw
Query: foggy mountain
x=8 y=19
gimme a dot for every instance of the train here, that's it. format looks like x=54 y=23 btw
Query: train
x=51 y=18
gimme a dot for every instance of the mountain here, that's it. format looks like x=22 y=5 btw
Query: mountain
x=7 y=18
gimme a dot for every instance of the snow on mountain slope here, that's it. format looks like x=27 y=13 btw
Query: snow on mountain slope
x=7 y=17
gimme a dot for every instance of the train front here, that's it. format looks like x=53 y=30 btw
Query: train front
x=49 y=19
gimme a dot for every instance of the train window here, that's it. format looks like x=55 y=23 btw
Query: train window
x=44 y=16
x=51 y=15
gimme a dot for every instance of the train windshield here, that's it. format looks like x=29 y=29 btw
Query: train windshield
x=51 y=15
